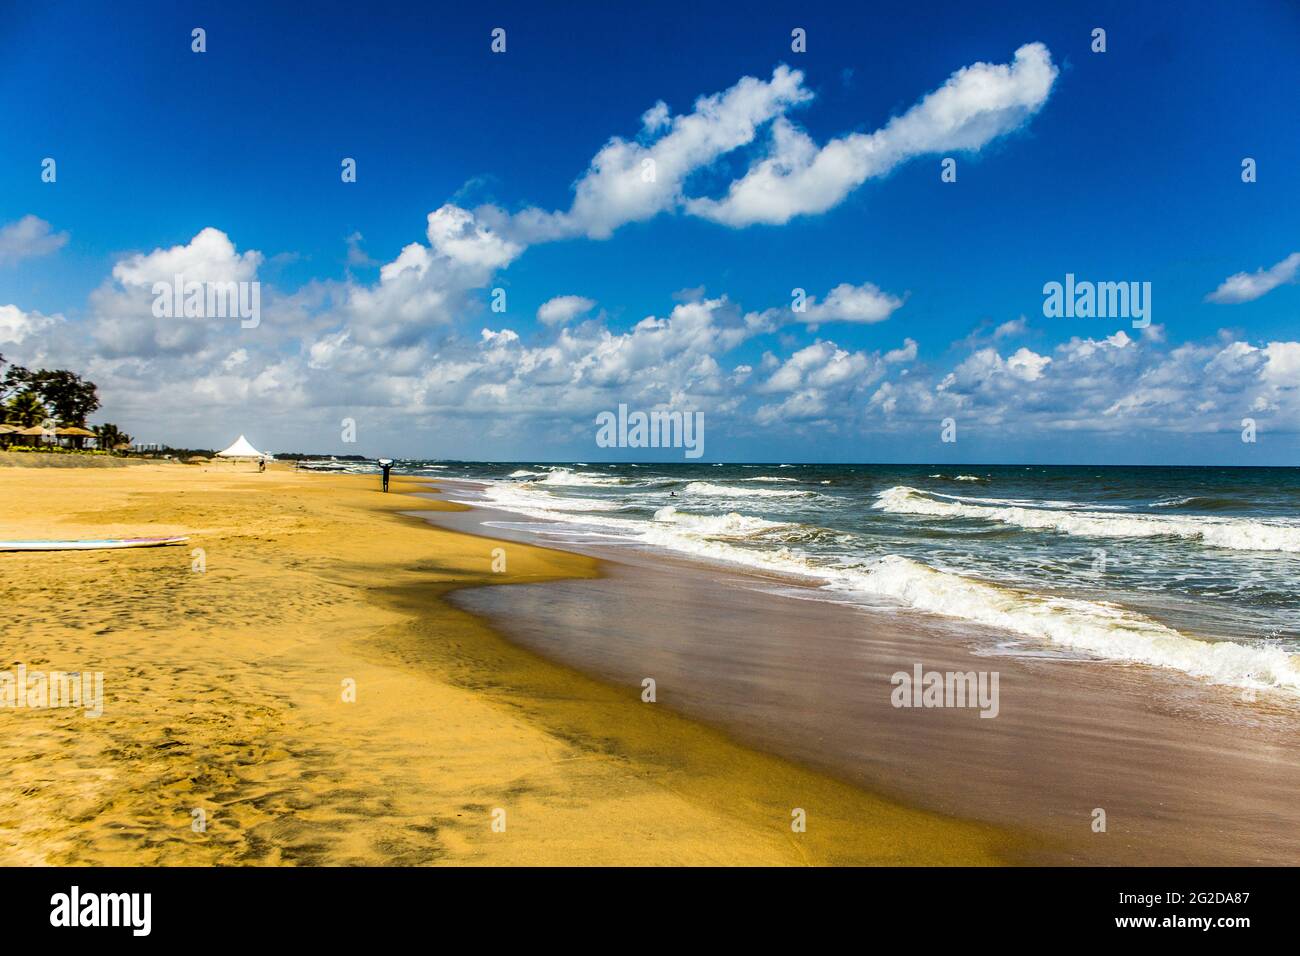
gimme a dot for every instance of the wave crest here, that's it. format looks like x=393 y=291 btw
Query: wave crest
x=1238 y=534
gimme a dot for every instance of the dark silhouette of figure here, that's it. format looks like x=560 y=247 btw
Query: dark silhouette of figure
x=386 y=464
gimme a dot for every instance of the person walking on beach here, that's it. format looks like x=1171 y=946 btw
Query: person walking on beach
x=386 y=464
x=261 y=465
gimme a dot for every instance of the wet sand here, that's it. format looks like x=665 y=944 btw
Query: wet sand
x=227 y=736
x=1187 y=773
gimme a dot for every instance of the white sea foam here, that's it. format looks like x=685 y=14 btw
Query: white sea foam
x=1238 y=534
x=1102 y=629
x=525 y=498
x=731 y=525
x=578 y=479
x=707 y=489
x=1098 y=628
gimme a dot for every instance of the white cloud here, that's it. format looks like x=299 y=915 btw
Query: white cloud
x=976 y=105
x=849 y=303
x=209 y=257
x=1027 y=366
x=122 y=307
x=563 y=309
x=1013 y=327
x=309 y=357
x=17 y=326
x=356 y=255
x=905 y=354
x=456 y=235
x=1283 y=368
x=28 y=238
x=633 y=180
x=1248 y=286
x=629 y=181
x=428 y=286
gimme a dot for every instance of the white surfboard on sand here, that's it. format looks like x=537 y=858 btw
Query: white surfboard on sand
x=89 y=545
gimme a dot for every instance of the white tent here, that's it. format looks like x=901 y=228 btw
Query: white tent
x=240 y=449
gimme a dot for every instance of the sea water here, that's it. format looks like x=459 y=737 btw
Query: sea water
x=1193 y=569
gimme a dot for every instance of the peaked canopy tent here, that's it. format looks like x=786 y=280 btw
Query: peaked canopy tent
x=241 y=449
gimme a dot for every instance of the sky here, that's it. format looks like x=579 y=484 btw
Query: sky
x=618 y=209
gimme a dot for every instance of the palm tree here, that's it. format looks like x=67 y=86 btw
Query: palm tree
x=108 y=436
x=26 y=410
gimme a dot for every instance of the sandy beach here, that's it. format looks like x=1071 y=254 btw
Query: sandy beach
x=227 y=736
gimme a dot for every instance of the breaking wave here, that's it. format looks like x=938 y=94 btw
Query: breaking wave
x=1238 y=534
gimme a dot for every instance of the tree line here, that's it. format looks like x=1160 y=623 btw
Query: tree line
x=58 y=397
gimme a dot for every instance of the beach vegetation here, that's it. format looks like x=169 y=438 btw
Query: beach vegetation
x=32 y=397
x=25 y=410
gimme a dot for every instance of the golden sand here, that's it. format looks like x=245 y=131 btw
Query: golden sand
x=224 y=692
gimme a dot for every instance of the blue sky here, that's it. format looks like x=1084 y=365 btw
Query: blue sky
x=1128 y=168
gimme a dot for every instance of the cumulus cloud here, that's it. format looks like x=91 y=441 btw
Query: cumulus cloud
x=976 y=105
x=28 y=238
x=17 y=326
x=209 y=257
x=1249 y=286
x=563 y=309
x=849 y=303
x=1109 y=384
x=429 y=285
x=308 y=361
x=458 y=237
x=122 y=307
x=907 y=353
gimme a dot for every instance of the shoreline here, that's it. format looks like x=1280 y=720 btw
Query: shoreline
x=1187 y=773
x=223 y=702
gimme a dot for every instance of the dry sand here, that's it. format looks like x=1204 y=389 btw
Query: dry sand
x=224 y=693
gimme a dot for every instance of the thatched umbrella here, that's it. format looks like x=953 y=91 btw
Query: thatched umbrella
x=36 y=431
x=75 y=432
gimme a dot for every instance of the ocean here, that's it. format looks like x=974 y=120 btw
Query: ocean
x=1192 y=569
